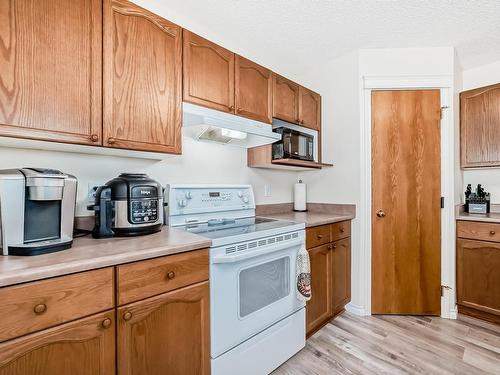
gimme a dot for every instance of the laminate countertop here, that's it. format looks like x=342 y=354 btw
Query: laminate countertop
x=493 y=217
x=88 y=253
x=316 y=214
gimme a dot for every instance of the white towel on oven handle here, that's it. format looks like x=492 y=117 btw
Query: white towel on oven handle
x=303 y=275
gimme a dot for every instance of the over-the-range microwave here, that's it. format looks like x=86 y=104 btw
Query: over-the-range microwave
x=293 y=145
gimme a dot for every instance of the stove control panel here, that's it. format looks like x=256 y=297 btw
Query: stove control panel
x=184 y=199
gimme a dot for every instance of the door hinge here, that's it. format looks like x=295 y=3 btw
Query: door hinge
x=441 y=111
x=442 y=202
x=443 y=287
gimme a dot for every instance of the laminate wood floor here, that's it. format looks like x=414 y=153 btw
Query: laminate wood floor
x=386 y=344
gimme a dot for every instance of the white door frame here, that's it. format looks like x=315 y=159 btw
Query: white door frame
x=445 y=84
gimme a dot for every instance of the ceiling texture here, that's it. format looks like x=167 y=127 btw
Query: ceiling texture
x=308 y=31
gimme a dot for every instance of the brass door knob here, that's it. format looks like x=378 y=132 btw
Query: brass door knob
x=170 y=275
x=380 y=213
x=106 y=323
x=127 y=315
x=40 y=308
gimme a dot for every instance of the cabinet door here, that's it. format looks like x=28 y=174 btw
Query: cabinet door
x=319 y=307
x=285 y=99
x=480 y=127
x=309 y=109
x=208 y=73
x=83 y=347
x=142 y=79
x=341 y=274
x=478 y=275
x=253 y=90
x=50 y=70
x=166 y=334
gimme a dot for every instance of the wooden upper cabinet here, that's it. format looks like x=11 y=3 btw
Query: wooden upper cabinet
x=208 y=73
x=253 y=90
x=166 y=334
x=50 y=70
x=82 y=347
x=285 y=99
x=142 y=79
x=309 y=109
x=480 y=127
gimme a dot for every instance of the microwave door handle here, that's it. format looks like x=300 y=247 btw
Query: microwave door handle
x=235 y=257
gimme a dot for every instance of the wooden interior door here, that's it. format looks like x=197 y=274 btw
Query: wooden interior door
x=309 y=109
x=253 y=90
x=285 y=99
x=142 y=79
x=166 y=334
x=406 y=204
x=82 y=347
x=208 y=73
x=319 y=307
x=50 y=70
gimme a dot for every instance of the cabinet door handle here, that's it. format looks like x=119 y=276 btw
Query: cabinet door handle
x=334 y=246
x=111 y=141
x=492 y=233
x=94 y=137
x=170 y=275
x=40 y=308
x=127 y=315
x=231 y=108
x=106 y=323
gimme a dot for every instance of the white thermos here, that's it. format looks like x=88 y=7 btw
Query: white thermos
x=299 y=196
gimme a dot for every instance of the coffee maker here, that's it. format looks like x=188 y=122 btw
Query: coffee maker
x=37 y=210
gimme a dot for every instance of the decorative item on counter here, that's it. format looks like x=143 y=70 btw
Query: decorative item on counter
x=477 y=202
x=299 y=197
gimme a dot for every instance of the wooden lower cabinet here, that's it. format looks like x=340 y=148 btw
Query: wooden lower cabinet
x=478 y=279
x=330 y=274
x=166 y=334
x=82 y=347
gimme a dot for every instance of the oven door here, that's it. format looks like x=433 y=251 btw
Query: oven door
x=251 y=289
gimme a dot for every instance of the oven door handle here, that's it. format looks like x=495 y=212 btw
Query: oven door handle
x=235 y=257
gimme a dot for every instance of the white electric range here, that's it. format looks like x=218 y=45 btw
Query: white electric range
x=257 y=323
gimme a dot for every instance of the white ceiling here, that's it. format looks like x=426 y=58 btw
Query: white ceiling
x=304 y=32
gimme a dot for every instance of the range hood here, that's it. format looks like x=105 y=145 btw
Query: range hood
x=205 y=124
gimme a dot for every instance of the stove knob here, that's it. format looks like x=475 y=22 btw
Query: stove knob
x=240 y=194
x=181 y=203
x=188 y=195
x=245 y=199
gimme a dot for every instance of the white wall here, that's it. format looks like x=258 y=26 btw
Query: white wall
x=490 y=178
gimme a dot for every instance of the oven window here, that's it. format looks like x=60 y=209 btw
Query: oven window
x=263 y=284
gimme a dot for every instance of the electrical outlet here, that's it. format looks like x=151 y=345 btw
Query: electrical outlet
x=267 y=190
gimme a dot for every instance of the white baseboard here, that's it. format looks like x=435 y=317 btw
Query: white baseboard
x=355 y=309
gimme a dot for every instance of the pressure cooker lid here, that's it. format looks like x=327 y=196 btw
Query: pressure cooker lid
x=132 y=184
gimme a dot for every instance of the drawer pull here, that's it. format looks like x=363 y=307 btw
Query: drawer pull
x=40 y=308
x=492 y=233
x=170 y=275
x=319 y=236
x=127 y=315
x=342 y=230
x=106 y=323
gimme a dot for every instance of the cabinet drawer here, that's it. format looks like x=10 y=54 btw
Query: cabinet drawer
x=147 y=278
x=478 y=231
x=341 y=230
x=316 y=236
x=37 y=305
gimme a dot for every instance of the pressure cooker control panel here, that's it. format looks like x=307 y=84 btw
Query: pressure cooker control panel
x=144 y=211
